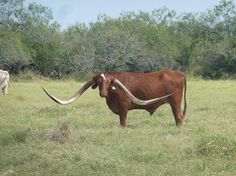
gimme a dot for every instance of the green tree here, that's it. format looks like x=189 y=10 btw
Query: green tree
x=10 y=11
x=14 y=54
x=78 y=51
x=43 y=37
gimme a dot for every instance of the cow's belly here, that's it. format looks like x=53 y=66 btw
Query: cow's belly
x=150 y=108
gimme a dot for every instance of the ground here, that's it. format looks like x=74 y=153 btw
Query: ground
x=39 y=137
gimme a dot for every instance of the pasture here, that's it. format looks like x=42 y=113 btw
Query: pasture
x=40 y=137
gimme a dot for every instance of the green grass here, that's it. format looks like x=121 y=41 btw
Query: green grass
x=39 y=137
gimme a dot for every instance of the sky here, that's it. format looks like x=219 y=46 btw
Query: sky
x=68 y=12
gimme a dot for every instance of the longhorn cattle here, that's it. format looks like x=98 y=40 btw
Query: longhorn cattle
x=4 y=81
x=125 y=91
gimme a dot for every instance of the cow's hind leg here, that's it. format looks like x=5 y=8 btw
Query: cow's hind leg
x=6 y=89
x=176 y=109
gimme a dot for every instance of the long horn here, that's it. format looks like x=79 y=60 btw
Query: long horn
x=74 y=97
x=135 y=99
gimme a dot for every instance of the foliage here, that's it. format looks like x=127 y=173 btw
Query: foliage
x=14 y=54
x=201 y=44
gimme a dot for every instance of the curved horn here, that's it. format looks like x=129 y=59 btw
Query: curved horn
x=135 y=99
x=74 y=97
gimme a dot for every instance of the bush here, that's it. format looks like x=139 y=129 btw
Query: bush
x=14 y=54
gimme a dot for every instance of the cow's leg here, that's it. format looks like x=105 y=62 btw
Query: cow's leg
x=5 y=90
x=123 y=116
x=176 y=109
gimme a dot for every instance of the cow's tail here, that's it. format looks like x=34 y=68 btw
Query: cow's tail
x=185 y=102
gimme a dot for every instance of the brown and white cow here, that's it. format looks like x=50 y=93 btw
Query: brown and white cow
x=125 y=91
x=4 y=81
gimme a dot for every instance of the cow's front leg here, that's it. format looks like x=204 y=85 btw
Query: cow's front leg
x=123 y=116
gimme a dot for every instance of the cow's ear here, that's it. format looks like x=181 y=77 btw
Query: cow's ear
x=95 y=78
x=94 y=86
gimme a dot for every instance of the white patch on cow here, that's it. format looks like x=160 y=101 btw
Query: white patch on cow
x=113 y=88
x=103 y=76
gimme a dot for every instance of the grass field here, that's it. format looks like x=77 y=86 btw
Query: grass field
x=39 y=137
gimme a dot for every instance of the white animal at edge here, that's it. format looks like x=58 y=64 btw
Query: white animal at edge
x=4 y=81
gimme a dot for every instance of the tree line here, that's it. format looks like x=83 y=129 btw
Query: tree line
x=202 y=44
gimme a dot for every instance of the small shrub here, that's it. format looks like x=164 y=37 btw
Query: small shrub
x=216 y=146
x=6 y=139
x=60 y=133
x=14 y=136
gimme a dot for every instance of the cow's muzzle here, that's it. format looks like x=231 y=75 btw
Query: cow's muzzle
x=103 y=94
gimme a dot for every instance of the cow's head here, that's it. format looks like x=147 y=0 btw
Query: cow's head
x=104 y=83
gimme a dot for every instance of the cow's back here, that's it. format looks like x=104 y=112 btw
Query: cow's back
x=150 y=85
